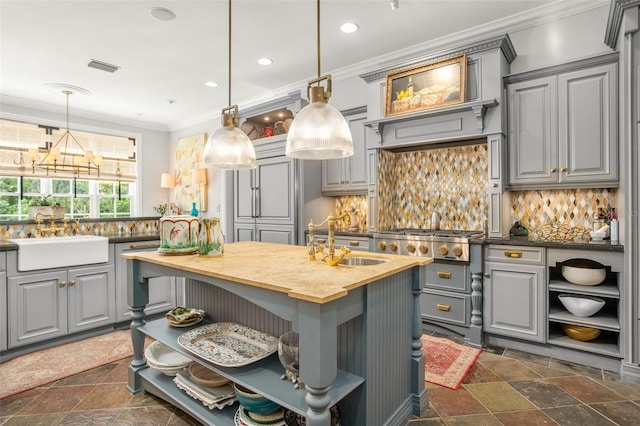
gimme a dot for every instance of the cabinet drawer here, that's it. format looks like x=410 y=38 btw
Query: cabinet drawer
x=515 y=254
x=440 y=306
x=448 y=277
x=353 y=243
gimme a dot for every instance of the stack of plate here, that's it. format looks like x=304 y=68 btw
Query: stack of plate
x=184 y=317
x=244 y=417
x=206 y=377
x=164 y=359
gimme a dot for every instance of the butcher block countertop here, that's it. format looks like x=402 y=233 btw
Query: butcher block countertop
x=285 y=268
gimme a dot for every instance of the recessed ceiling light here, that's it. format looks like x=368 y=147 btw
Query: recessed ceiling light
x=162 y=14
x=171 y=101
x=211 y=84
x=265 y=61
x=349 y=28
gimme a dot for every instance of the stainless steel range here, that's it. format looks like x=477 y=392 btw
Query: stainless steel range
x=441 y=245
x=451 y=296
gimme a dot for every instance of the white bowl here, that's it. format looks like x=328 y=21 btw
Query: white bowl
x=581 y=306
x=583 y=272
x=165 y=359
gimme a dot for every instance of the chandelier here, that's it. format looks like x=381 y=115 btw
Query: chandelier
x=67 y=155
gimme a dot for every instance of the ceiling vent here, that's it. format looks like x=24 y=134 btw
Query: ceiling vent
x=99 y=65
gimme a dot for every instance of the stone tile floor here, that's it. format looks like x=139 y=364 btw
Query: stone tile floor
x=504 y=387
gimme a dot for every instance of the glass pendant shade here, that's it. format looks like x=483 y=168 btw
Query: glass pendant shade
x=230 y=148
x=319 y=132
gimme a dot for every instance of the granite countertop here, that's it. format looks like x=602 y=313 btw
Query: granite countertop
x=586 y=245
x=284 y=268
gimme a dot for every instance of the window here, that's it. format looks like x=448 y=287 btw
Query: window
x=109 y=195
x=96 y=199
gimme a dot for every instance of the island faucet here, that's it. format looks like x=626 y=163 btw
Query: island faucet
x=329 y=257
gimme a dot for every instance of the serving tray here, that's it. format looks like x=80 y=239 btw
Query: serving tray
x=228 y=344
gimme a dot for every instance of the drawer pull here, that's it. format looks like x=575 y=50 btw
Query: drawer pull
x=516 y=254
x=354 y=243
x=143 y=246
x=442 y=307
x=444 y=275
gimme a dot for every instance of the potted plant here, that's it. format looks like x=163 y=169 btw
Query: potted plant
x=47 y=206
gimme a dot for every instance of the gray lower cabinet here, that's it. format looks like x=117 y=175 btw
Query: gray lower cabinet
x=562 y=124
x=54 y=303
x=3 y=302
x=265 y=201
x=165 y=293
x=514 y=292
x=349 y=175
x=445 y=295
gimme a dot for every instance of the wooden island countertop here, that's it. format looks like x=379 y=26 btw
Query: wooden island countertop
x=285 y=269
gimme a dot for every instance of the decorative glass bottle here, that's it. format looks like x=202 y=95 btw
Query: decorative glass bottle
x=211 y=239
x=194 y=210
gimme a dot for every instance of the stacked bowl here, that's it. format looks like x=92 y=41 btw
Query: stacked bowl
x=164 y=359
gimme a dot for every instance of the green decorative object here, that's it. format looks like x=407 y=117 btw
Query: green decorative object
x=194 y=210
x=211 y=239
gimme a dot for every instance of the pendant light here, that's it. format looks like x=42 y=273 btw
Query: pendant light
x=319 y=131
x=229 y=147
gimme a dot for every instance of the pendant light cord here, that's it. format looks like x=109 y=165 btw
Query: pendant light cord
x=229 y=65
x=318 y=34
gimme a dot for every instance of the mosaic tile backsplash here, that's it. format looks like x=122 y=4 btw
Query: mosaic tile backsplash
x=359 y=202
x=572 y=207
x=451 y=181
x=111 y=228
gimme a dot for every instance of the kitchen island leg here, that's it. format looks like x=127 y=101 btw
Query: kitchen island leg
x=137 y=297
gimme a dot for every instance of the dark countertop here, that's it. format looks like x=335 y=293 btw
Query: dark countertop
x=525 y=241
x=6 y=245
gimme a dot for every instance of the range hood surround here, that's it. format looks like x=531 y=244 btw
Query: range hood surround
x=479 y=117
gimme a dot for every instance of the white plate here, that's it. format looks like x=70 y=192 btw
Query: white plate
x=228 y=344
x=184 y=324
x=242 y=420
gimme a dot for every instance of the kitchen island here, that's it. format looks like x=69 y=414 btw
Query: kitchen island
x=359 y=329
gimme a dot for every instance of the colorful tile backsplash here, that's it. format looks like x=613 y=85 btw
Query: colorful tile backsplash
x=110 y=228
x=573 y=207
x=451 y=181
x=359 y=202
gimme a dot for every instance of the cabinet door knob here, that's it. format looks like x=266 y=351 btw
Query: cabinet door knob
x=63 y=283
x=553 y=170
x=487 y=275
x=564 y=169
x=495 y=185
x=442 y=307
x=72 y=283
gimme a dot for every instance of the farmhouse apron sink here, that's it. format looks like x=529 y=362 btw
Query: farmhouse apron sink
x=60 y=252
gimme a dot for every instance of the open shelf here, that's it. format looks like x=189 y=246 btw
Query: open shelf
x=163 y=387
x=603 y=290
x=604 y=321
x=605 y=344
x=262 y=376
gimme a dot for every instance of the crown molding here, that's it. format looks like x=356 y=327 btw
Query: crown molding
x=616 y=13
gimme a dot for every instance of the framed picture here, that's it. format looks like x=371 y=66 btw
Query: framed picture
x=429 y=86
x=188 y=158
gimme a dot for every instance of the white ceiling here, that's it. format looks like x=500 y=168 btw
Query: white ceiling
x=52 y=42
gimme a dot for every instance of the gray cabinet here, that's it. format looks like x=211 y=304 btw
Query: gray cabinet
x=165 y=293
x=3 y=302
x=349 y=175
x=445 y=296
x=265 y=201
x=514 y=292
x=563 y=128
x=55 y=303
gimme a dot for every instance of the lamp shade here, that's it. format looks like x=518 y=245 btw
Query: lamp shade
x=230 y=148
x=199 y=176
x=319 y=132
x=167 y=181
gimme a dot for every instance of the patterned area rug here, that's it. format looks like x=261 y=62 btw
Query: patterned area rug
x=447 y=363
x=38 y=368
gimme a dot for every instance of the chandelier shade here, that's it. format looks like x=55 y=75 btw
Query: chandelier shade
x=229 y=147
x=319 y=131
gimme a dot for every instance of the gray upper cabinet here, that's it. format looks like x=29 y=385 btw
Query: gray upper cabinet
x=349 y=175
x=3 y=302
x=563 y=125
